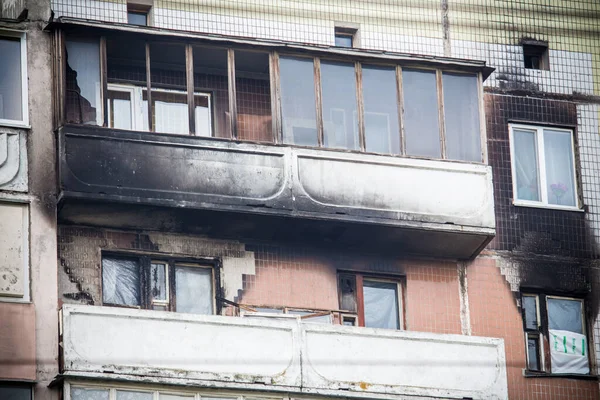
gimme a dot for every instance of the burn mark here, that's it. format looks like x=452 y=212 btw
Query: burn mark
x=82 y=295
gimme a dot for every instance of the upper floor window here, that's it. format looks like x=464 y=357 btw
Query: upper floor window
x=555 y=326
x=345 y=37
x=543 y=166
x=535 y=55
x=261 y=96
x=13 y=79
x=370 y=301
x=15 y=391
x=165 y=285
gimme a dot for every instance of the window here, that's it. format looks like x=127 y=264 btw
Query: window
x=13 y=79
x=543 y=166
x=139 y=14
x=535 y=55
x=345 y=37
x=10 y=391
x=261 y=96
x=375 y=302
x=555 y=337
x=165 y=285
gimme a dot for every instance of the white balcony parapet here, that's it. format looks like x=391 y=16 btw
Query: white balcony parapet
x=278 y=355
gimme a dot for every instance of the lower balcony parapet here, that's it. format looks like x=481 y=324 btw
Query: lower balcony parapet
x=275 y=355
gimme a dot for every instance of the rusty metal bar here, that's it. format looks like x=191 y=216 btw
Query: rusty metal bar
x=232 y=92
x=318 y=101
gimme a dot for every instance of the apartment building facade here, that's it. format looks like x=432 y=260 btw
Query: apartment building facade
x=313 y=199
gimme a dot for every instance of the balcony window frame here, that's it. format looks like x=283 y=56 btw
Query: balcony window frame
x=541 y=167
x=144 y=263
x=541 y=333
x=24 y=121
x=317 y=57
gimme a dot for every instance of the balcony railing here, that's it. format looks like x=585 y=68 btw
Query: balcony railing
x=276 y=355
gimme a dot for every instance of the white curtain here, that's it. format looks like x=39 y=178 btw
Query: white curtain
x=381 y=304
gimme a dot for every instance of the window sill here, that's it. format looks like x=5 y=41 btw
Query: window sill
x=14 y=124
x=520 y=203
x=535 y=374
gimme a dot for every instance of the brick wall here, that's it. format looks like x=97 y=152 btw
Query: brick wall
x=494 y=313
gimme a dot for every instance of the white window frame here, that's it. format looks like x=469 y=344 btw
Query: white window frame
x=139 y=119
x=541 y=166
x=24 y=123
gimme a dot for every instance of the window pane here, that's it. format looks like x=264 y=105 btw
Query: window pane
x=158 y=281
x=194 y=290
x=565 y=315
x=461 y=114
x=128 y=395
x=347 y=292
x=253 y=96
x=381 y=304
x=533 y=362
x=88 y=394
x=343 y=40
x=559 y=167
x=381 y=110
x=421 y=119
x=202 y=115
x=119 y=109
x=120 y=282
x=298 y=109
x=210 y=75
x=525 y=165
x=169 y=98
x=11 y=101
x=15 y=393
x=83 y=82
x=135 y=18
x=340 y=122
x=530 y=307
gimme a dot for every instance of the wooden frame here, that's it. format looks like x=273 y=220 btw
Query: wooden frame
x=360 y=279
x=275 y=96
x=145 y=262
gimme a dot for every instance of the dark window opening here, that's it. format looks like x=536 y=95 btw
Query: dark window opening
x=9 y=391
x=535 y=56
x=138 y=14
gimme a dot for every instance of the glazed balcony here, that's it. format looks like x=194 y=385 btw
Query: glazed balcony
x=366 y=145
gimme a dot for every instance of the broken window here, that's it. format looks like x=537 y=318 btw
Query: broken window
x=83 y=89
x=164 y=285
x=370 y=301
x=543 y=166
x=253 y=96
x=421 y=116
x=13 y=89
x=535 y=55
x=298 y=104
x=555 y=334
